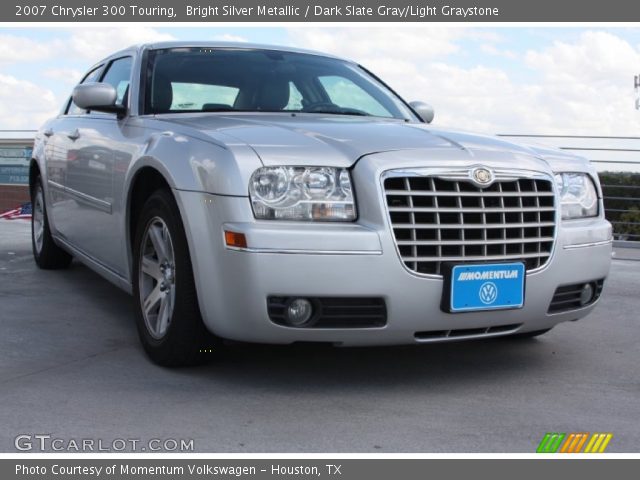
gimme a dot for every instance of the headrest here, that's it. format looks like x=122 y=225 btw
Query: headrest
x=273 y=95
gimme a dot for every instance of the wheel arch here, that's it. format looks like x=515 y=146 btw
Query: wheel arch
x=34 y=172
x=146 y=180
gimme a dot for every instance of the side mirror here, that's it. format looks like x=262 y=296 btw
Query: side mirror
x=424 y=111
x=97 y=96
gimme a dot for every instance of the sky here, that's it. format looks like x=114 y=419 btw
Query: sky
x=518 y=80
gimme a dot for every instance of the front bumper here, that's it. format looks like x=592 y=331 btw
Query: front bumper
x=356 y=260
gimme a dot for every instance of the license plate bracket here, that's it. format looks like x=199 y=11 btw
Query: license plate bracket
x=483 y=286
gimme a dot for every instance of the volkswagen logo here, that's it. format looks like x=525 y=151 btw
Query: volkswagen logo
x=488 y=293
x=482 y=176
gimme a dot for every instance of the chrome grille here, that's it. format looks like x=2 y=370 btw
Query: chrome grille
x=436 y=220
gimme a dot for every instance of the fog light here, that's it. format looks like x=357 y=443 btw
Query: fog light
x=586 y=294
x=299 y=312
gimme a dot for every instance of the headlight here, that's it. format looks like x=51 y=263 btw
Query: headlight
x=578 y=195
x=302 y=193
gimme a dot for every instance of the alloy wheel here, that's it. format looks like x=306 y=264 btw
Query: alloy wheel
x=38 y=220
x=157 y=277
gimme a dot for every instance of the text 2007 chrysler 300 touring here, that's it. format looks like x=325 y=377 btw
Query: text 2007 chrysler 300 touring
x=273 y=195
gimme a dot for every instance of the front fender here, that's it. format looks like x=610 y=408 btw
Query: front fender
x=188 y=163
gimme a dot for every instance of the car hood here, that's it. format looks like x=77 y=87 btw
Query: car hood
x=332 y=140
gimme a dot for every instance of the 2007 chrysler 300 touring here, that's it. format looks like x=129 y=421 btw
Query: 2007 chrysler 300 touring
x=274 y=195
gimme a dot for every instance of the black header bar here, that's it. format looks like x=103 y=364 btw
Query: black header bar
x=471 y=11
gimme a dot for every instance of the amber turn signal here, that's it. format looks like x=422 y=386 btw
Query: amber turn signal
x=235 y=239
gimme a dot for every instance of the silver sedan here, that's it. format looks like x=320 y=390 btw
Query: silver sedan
x=274 y=195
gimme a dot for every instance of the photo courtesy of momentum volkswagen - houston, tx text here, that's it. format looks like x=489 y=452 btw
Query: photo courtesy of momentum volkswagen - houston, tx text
x=278 y=195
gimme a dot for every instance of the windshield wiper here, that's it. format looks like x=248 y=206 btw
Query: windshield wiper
x=323 y=112
x=334 y=112
x=220 y=109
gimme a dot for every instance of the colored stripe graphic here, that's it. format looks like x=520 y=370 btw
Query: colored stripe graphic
x=570 y=443
x=573 y=442
x=598 y=443
x=581 y=443
x=550 y=442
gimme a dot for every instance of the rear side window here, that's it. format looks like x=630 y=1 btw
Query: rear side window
x=92 y=76
x=198 y=96
x=118 y=75
x=295 y=98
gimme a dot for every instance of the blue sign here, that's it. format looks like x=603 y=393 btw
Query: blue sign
x=14 y=174
x=487 y=287
x=14 y=164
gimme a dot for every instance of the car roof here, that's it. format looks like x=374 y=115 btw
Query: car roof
x=217 y=44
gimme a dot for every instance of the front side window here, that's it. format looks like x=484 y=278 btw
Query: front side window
x=252 y=80
x=118 y=75
x=344 y=92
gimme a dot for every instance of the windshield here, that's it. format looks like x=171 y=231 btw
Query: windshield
x=224 y=80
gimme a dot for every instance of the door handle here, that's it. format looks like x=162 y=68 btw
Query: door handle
x=74 y=135
x=48 y=132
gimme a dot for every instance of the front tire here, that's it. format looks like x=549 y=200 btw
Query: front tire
x=46 y=253
x=167 y=312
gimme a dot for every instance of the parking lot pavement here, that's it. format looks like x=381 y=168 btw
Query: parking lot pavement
x=71 y=366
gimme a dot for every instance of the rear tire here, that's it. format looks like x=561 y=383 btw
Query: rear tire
x=46 y=253
x=167 y=313
x=535 y=333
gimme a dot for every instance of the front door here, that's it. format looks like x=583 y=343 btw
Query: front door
x=96 y=146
